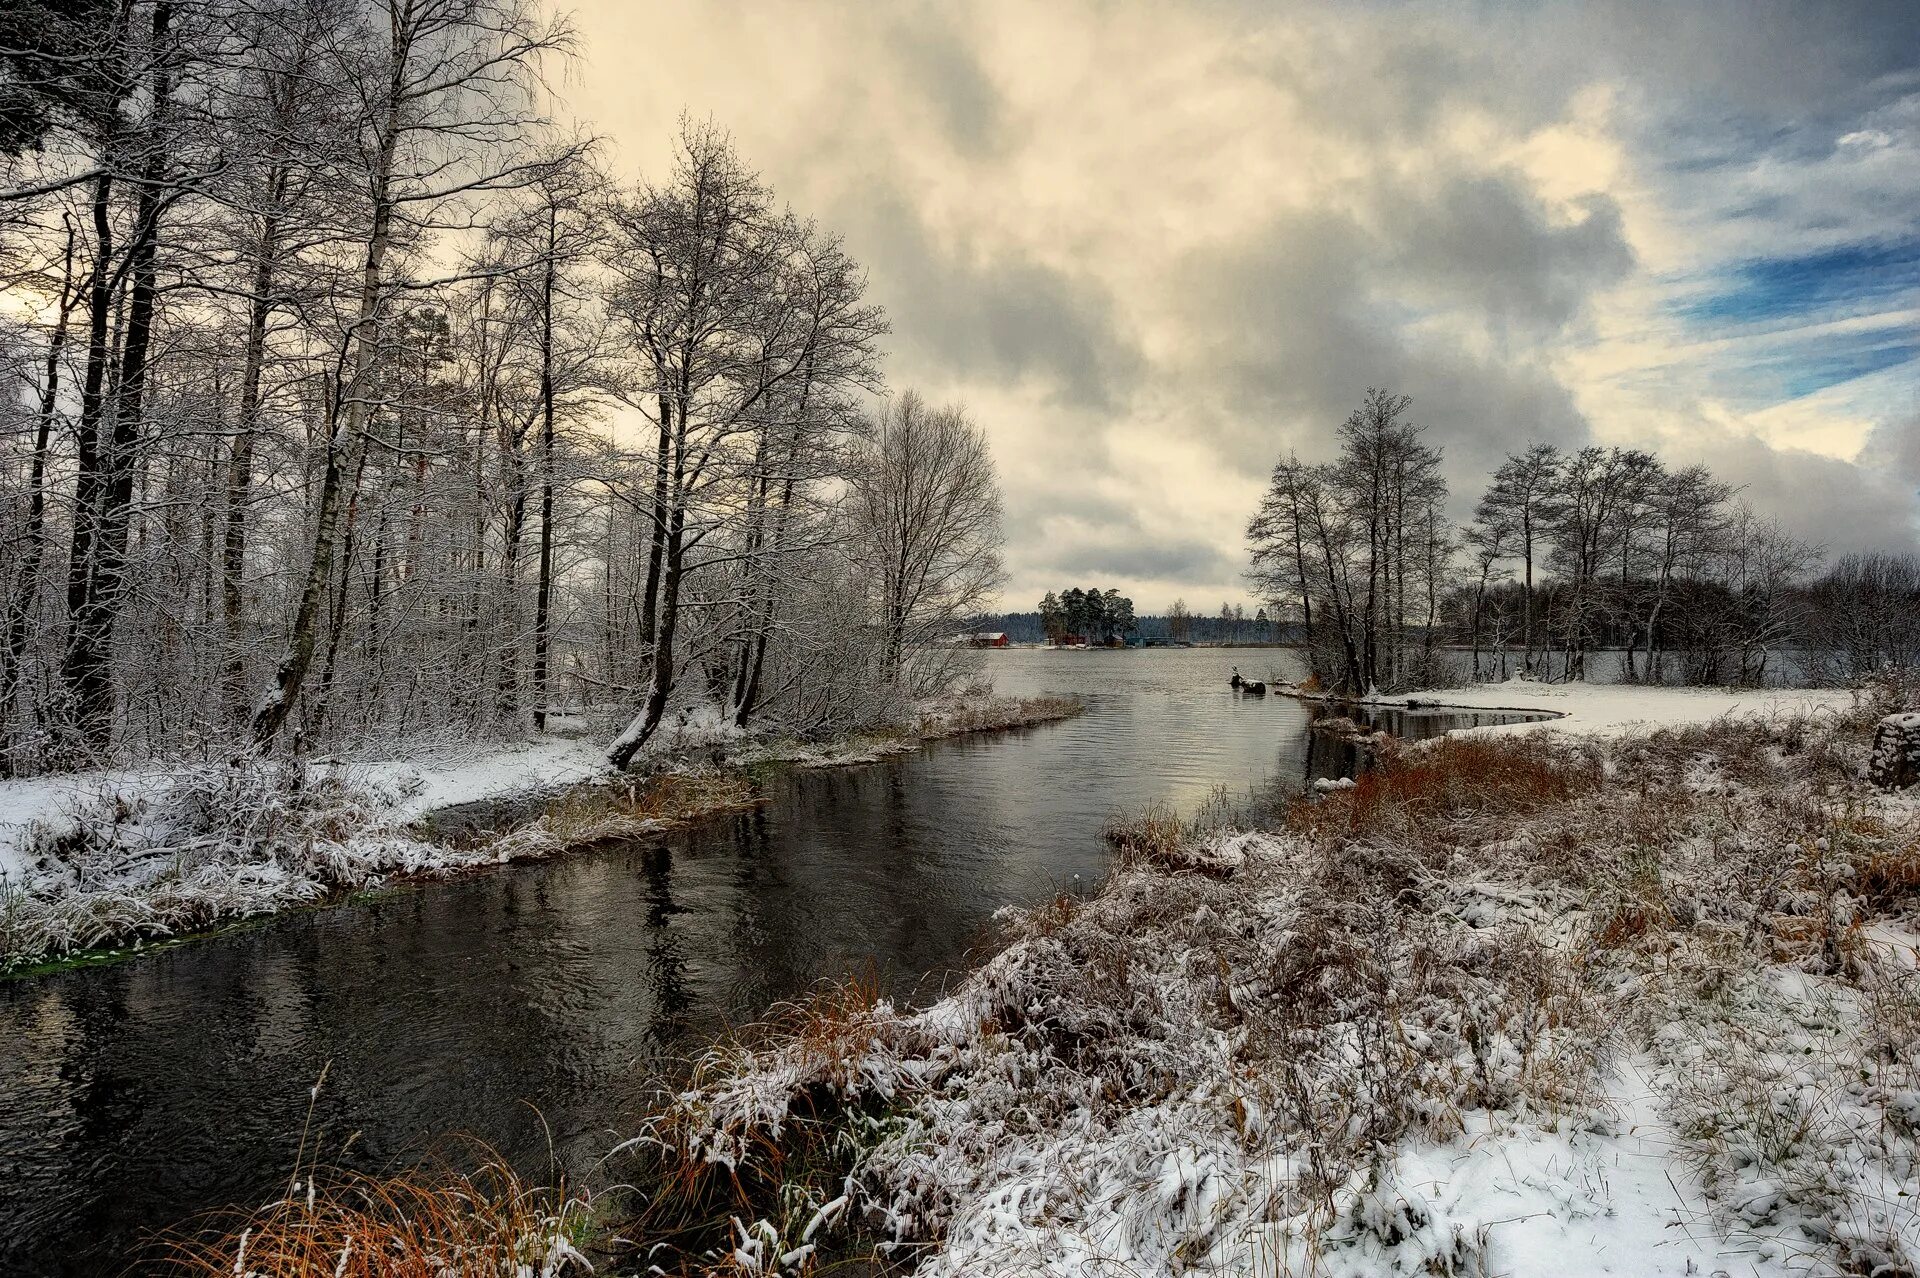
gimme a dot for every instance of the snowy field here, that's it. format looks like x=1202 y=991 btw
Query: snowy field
x=1605 y=1001
x=1597 y=709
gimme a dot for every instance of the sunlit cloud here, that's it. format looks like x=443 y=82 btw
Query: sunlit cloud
x=1154 y=247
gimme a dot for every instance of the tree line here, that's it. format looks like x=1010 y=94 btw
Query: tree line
x=347 y=395
x=1568 y=553
x=1096 y=616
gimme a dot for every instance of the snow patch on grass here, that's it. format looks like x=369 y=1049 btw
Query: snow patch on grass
x=1613 y=709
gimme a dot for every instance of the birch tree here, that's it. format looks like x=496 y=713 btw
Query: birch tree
x=441 y=105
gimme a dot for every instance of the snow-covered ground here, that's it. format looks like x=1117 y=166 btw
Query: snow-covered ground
x=1608 y=709
x=1609 y=1003
x=36 y=811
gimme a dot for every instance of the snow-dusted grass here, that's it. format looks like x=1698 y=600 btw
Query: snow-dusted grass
x=198 y=847
x=1643 y=1004
x=119 y=858
x=935 y=719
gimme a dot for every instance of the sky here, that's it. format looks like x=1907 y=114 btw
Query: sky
x=1153 y=247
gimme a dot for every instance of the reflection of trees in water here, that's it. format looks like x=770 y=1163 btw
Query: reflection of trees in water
x=1329 y=756
x=666 y=961
x=869 y=872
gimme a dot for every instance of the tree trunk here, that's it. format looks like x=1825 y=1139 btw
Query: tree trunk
x=87 y=670
x=660 y=680
x=233 y=547
x=543 y=591
x=657 y=539
x=349 y=418
x=26 y=591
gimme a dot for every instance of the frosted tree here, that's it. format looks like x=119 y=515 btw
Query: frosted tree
x=442 y=103
x=926 y=513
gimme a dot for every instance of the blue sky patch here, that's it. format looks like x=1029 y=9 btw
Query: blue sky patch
x=1839 y=281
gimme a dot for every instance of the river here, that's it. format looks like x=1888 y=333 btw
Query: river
x=539 y=1007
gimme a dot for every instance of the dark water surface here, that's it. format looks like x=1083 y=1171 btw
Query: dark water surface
x=539 y=1006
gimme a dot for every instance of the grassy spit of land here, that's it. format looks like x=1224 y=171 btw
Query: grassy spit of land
x=151 y=856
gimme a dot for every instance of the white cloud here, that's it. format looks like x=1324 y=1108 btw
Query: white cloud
x=1152 y=247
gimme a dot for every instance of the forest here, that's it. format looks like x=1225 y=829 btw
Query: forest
x=349 y=397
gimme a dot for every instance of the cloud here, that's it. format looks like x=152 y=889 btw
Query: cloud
x=988 y=313
x=1154 y=247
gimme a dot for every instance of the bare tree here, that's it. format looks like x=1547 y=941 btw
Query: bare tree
x=745 y=328
x=1687 y=513
x=1520 y=506
x=441 y=104
x=1278 y=535
x=926 y=513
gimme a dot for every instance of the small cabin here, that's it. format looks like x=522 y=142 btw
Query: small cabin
x=989 y=639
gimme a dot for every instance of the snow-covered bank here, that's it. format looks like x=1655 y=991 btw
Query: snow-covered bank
x=1638 y=1005
x=111 y=858
x=1609 y=709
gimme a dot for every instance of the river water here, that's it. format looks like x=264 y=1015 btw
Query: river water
x=539 y=1007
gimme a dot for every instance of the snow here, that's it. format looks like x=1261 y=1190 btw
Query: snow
x=36 y=809
x=44 y=804
x=497 y=771
x=1612 y=709
x=110 y=857
x=1640 y=1028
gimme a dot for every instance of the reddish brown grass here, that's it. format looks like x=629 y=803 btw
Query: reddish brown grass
x=1456 y=777
x=424 y=1224
x=1156 y=837
x=1884 y=858
x=691 y=1200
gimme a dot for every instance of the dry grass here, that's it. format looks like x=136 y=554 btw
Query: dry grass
x=589 y=814
x=436 y=1223
x=1481 y=926
x=1452 y=779
x=1156 y=837
x=994 y=714
x=705 y=1172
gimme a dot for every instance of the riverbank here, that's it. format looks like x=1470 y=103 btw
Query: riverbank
x=93 y=863
x=1609 y=1000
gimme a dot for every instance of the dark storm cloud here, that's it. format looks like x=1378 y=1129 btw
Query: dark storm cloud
x=1482 y=242
x=1000 y=316
x=1134 y=555
x=1892 y=454
x=1311 y=312
x=1754 y=63
x=942 y=68
x=1827 y=501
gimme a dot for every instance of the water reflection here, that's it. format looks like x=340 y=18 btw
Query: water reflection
x=539 y=1008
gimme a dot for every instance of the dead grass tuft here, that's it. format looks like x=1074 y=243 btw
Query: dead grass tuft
x=589 y=814
x=780 y=1163
x=425 y=1224
x=1454 y=778
x=1155 y=837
